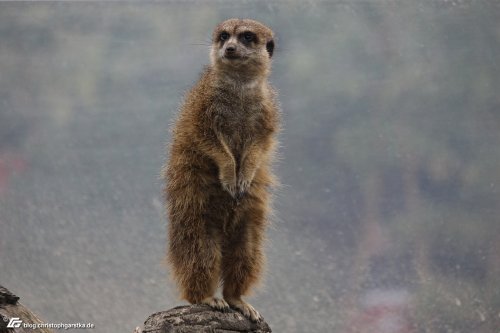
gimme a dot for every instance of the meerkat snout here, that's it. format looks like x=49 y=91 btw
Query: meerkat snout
x=230 y=48
x=230 y=51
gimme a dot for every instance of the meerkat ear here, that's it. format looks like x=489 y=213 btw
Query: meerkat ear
x=270 y=47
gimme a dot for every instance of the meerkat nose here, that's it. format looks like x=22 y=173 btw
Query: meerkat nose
x=231 y=48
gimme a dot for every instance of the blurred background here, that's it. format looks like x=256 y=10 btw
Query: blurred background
x=387 y=219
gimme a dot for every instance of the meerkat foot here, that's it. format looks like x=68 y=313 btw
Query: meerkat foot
x=216 y=303
x=246 y=309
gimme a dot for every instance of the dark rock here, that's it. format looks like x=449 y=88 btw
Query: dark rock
x=6 y=297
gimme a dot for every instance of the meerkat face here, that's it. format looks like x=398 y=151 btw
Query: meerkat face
x=242 y=43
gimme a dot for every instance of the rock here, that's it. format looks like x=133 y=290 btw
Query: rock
x=201 y=319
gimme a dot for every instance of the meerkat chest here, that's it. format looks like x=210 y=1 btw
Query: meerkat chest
x=240 y=119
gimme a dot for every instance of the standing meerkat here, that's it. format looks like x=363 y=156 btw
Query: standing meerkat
x=218 y=173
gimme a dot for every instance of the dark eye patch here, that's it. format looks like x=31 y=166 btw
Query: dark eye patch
x=248 y=37
x=224 y=36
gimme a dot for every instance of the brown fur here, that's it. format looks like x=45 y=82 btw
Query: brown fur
x=218 y=174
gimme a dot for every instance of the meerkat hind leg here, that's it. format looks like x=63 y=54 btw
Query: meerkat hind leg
x=242 y=258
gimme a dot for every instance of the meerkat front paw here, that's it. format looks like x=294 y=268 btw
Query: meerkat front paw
x=244 y=181
x=243 y=186
x=246 y=309
x=228 y=180
x=216 y=303
x=231 y=188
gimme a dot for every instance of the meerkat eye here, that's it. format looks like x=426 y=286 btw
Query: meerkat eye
x=248 y=36
x=224 y=36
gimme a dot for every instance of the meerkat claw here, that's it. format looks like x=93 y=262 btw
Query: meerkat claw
x=216 y=303
x=243 y=186
x=246 y=309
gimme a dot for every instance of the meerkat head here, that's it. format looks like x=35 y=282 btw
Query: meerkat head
x=242 y=46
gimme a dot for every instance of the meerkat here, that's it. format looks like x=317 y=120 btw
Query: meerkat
x=218 y=174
